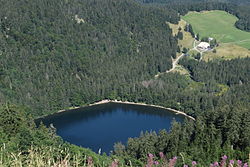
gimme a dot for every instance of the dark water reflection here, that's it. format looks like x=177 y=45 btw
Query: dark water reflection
x=102 y=125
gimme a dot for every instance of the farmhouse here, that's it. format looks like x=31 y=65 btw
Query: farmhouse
x=203 y=46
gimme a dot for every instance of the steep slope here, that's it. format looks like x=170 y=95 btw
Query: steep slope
x=55 y=54
x=58 y=54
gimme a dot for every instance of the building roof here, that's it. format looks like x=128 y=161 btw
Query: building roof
x=204 y=45
x=210 y=38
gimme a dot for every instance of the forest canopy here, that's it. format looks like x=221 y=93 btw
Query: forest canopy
x=77 y=52
x=239 y=8
x=60 y=54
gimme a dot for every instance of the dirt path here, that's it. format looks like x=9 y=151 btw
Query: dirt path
x=174 y=64
x=195 y=48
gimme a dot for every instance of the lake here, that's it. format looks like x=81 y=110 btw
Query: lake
x=102 y=125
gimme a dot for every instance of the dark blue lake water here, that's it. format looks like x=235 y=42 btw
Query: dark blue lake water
x=102 y=125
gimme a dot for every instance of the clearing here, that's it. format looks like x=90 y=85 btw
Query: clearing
x=187 y=41
x=227 y=52
x=219 y=25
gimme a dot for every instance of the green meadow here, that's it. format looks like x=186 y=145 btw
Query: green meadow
x=219 y=25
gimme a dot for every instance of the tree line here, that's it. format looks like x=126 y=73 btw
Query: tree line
x=238 y=8
x=55 y=55
x=50 y=62
x=222 y=123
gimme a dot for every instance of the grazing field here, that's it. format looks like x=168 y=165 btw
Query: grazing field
x=219 y=25
x=227 y=52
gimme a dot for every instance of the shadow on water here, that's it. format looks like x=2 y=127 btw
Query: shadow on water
x=100 y=126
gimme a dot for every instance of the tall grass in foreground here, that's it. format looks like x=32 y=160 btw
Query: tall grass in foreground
x=50 y=157
x=40 y=157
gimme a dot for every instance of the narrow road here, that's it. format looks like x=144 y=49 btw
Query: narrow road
x=195 y=48
x=175 y=62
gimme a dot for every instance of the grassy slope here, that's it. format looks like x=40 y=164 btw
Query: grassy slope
x=220 y=25
x=187 y=42
x=230 y=50
x=187 y=38
x=227 y=52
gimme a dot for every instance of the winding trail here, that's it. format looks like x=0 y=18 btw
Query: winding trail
x=176 y=61
x=195 y=48
x=174 y=64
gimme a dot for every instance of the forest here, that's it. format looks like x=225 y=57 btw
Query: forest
x=239 y=8
x=55 y=55
x=64 y=63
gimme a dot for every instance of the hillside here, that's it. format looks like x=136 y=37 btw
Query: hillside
x=60 y=54
x=238 y=8
x=223 y=31
x=77 y=52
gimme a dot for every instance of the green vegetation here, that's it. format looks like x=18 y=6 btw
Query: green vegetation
x=221 y=71
x=24 y=144
x=197 y=141
x=56 y=55
x=224 y=89
x=181 y=70
x=187 y=40
x=226 y=52
x=64 y=63
x=217 y=129
x=219 y=25
x=239 y=8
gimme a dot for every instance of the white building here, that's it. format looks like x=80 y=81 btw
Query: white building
x=203 y=46
x=210 y=39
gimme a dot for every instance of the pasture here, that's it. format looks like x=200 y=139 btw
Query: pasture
x=227 y=52
x=219 y=25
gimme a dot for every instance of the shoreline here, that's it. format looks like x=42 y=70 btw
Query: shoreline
x=105 y=101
